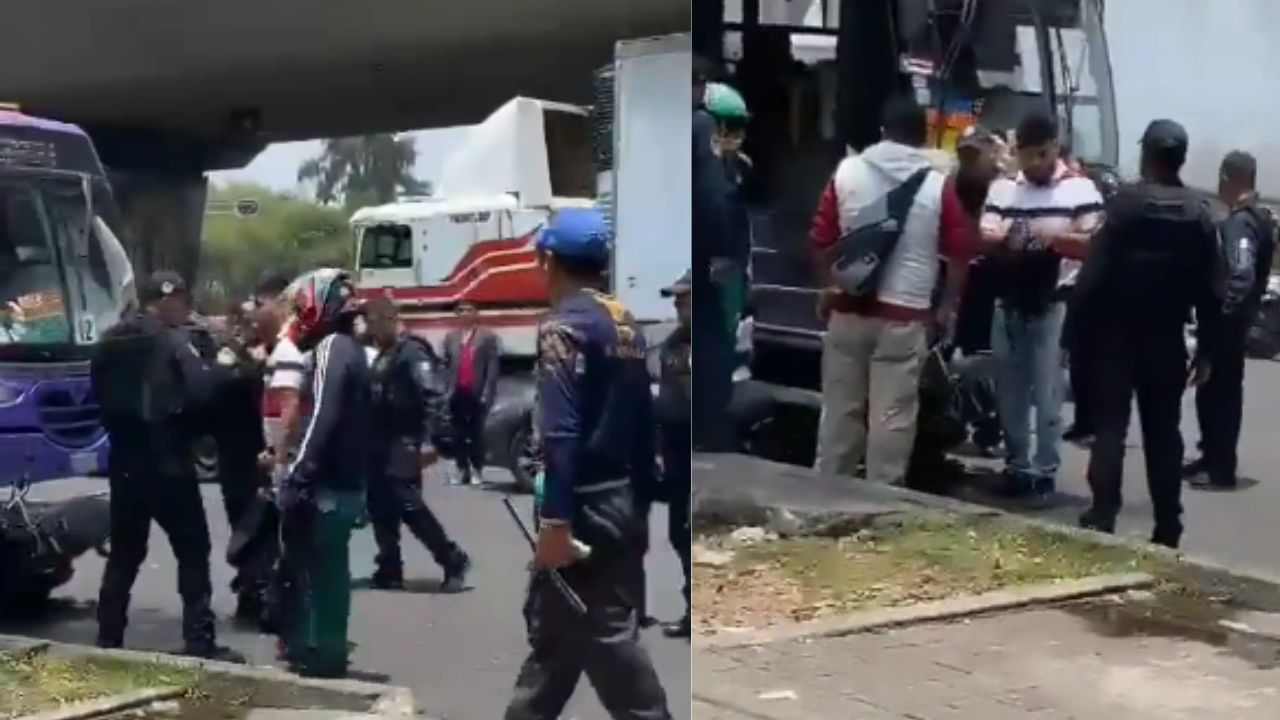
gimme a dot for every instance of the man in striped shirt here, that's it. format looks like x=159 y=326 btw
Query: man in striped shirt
x=1037 y=227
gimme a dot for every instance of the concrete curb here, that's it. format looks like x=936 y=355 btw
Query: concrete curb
x=387 y=701
x=771 y=499
x=107 y=705
x=935 y=611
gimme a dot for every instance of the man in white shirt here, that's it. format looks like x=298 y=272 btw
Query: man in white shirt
x=283 y=375
x=284 y=371
x=1036 y=227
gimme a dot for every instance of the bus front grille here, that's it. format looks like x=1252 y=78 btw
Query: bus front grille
x=69 y=417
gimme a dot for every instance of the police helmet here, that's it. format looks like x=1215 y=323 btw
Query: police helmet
x=725 y=104
x=577 y=234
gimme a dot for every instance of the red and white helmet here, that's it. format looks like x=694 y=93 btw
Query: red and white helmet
x=319 y=301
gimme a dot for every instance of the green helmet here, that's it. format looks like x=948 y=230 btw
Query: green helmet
x=724 y=103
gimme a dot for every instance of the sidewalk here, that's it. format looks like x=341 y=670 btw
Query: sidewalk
x=1038 y=664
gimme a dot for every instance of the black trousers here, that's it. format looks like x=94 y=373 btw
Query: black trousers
x=640 y=578
x=1075 y=340
x=139 y=495
x=1220 y=407
x=240 y=479
x=1154 y=370
x=604 y=645
x=468 y=417
x=713 y=373
x=677 y=483
x=398 y=501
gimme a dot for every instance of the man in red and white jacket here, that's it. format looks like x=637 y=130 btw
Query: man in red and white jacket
x=874 y=349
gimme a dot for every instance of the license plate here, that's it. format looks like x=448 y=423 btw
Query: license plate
x=84 y=463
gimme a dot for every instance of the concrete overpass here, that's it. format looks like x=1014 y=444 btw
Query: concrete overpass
x=172 y=88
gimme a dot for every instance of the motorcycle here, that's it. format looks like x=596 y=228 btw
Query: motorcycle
x=40 y=541
x=957 y=404
x=1263 y=340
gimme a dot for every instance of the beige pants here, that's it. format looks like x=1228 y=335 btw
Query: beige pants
x=870 y=395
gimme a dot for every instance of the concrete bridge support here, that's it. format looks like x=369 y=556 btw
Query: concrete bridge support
x=159 y=184
x=163 y=215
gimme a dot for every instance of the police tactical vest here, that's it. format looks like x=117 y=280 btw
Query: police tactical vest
x=675 y=381
x=1156 y=264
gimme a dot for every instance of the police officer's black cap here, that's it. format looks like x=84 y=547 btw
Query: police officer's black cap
x=680 y=286
x=1165 y=135
x=162 y=284
x=1240 y=166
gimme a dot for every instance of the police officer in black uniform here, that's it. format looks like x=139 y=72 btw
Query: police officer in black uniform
x=236 y=426
x=408 y=408
x=674 y=413
x=1153 y=262
x=1247 y=245
x=153 y=387
x=595 y=416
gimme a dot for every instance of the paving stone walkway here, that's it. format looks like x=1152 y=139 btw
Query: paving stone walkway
x=1039 y=664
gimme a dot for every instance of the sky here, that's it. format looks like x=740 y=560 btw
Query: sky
x=277 y=166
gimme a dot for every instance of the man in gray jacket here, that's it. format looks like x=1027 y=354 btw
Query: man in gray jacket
x=471 y=355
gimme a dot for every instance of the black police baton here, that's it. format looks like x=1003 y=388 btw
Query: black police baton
x=557 y=579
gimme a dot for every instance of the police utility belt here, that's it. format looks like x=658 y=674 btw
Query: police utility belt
x=605 y=518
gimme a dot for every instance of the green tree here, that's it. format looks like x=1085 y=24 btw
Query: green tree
x=363 y=170
x=287 y=235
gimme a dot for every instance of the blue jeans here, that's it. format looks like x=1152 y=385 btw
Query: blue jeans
x=1030 y=374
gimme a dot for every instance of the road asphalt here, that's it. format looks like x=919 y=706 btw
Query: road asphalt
x=459 y=653
x=1239 y=528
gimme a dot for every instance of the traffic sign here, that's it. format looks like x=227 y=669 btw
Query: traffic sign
x=246 y=207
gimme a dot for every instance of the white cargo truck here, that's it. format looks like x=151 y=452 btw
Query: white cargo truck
x=650 y=182
x=641 y=121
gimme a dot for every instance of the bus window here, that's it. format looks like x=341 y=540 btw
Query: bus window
x=386 y=247
x=101 y=278
x=32 y=302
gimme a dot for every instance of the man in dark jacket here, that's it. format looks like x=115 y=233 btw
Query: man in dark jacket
x=471 y=360
x=712 y=264
x=236 y=424
x=1246 y=245
x=153 y=387
x=595 y=417
x=407 y=408
x=1154 y=261
x=322 y=495
x=674 y=414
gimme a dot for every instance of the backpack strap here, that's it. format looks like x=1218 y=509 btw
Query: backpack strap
x=899 y=200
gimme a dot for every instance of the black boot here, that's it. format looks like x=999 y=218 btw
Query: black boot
x=113 y=616
x=385 y=578
x=455 y=573
x=249 y=607
x=199 y=634
x=1093 y=520
x=1167 y=534
x=681 y=628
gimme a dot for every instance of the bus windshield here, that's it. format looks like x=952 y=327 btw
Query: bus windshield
x=992 y=63
x=64 y=276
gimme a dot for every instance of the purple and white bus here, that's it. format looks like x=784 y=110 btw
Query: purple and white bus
x=64 y=279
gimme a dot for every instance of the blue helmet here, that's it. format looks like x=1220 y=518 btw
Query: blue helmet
x=580 y=233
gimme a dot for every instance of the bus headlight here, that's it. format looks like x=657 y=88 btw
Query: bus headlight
x=10 y=394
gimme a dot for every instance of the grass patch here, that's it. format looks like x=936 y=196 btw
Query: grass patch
x=32 y=682
x=900 y=561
